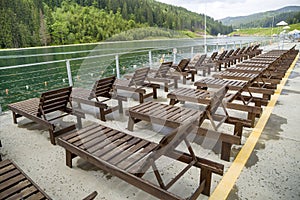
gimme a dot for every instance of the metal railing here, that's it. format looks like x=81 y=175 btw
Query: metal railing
x=23 y=81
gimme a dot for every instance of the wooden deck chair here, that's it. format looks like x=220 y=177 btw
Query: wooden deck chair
x=130 y=158
x=224 y=60
x=218 y=99
x=183 y=70
x=208 y=63
x=98 y=96
x=232 y=58
x=15 y=184
x=41 y=110
x=163 y=75
x=196 y=62
x=138 y=84
x=245 y=54
x=238 y=57
x=218 y=60
x=173 y=116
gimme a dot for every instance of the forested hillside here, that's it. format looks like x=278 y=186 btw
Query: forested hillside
x=27 y=23
x=289 y=14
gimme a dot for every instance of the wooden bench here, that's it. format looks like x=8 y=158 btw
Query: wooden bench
x=56 y=102
x=129 y=157
x=98 y=96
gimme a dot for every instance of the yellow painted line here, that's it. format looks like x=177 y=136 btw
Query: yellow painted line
x=226 y=184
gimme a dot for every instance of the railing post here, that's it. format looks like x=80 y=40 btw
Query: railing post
x=174 y=55
x=217 y=47
x=205 y=48
x=192 y=51
x=150 y=59
x=69 y=72
x=117 y=66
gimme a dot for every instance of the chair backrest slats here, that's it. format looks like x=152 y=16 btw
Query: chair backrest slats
x=182 y=64
x=163 y=70
x=139 y=77
x=103 y=87
x=54 y=100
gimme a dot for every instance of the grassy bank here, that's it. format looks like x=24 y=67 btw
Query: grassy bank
x=263 y=31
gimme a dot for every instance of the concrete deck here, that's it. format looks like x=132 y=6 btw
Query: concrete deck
x=272 y=171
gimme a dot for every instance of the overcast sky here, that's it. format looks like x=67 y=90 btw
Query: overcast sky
x=219 y=9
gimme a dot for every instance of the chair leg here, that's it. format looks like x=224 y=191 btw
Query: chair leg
x=79 y=122
x=238 y=129
x=206 y=175
x=14 y=117
x=166 y=87
x=175 y=83
x=69 y=157
x=154 y=93
x=52 y=138
x=120 y=103
x=141 y=98
x=184 y=80
x=130 y=123
x=225 y=152
x=102 y=114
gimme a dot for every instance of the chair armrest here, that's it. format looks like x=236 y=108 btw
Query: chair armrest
x=131 y=89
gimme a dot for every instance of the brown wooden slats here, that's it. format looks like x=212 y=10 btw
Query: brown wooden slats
x=26 y=193
x=36 y=196
x=75 y=134
x=125 y=154
x=137 y=157
x=100 y=141
x=139 y=77
x=16 y=185
x=111 y=143
x=11 y=172
x=88 y=142
x=87 y=135
x=29 y=106
x=122 y=146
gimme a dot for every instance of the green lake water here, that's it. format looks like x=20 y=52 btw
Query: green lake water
x=19 y=82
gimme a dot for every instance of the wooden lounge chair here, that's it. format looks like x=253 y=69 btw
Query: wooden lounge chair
x=183 y=70
x=199 y=96
x=207 y=64
x=138 y=84
x=238 y=57
x=196 y=62
x=219 y=60
x=98 y=96
x=41 y=110
x=130 y=158
x=230 y=60
x=161 y=75
x=15 y=184
x=173 y=116
x=225 y=60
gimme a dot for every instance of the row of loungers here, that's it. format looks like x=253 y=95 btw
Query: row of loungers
x=130 y=157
